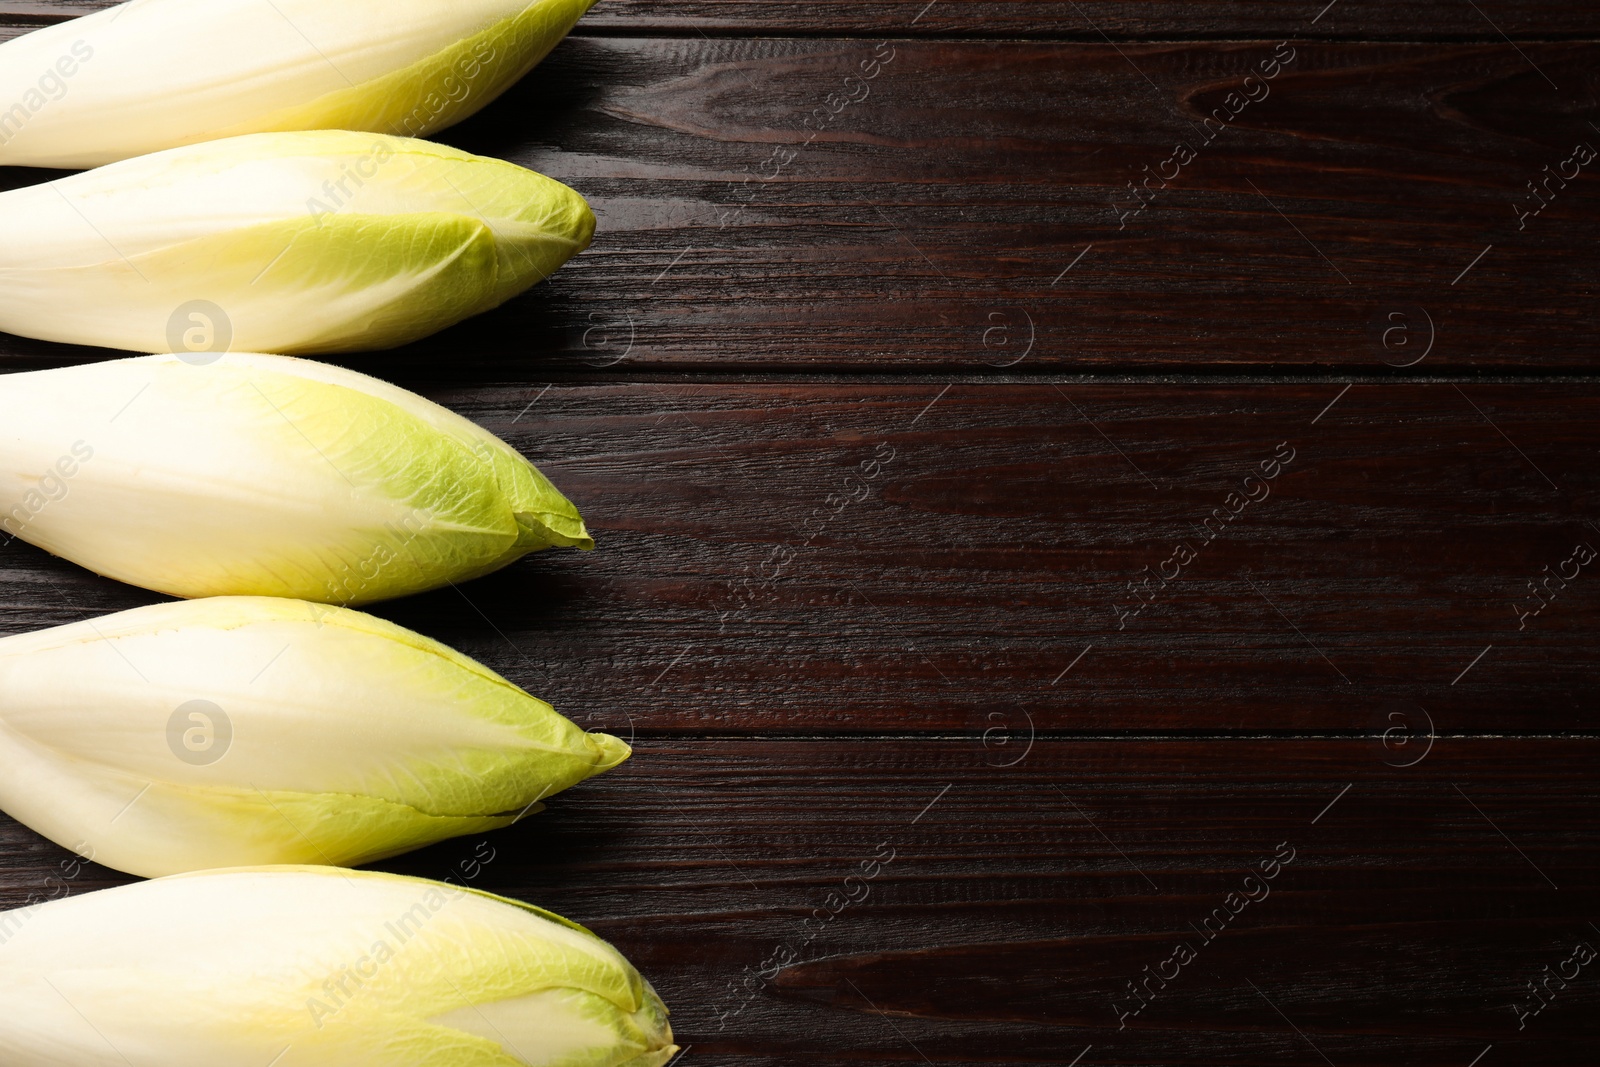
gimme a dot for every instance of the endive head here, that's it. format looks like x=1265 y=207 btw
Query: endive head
x=253 y=730
x=313 y=967
x=327 y=241
x=264 y=475
x=157 y=74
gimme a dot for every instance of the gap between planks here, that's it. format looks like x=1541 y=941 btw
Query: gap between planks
x=833 y=736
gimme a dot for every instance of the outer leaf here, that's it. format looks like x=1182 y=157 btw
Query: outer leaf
x=158 y=74
x=298 y=242
x=324 y=735
x=313 y=967
x=264 y=475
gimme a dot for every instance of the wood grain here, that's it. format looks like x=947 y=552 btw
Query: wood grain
x=924 y=557
x=974 y=210
x=1089 y=19
x=1008 y=908
x=939 y=223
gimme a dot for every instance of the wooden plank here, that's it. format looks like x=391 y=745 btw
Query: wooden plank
x=1008 y=909
x=866 y=557
x=1123 y=19
x=975 y=210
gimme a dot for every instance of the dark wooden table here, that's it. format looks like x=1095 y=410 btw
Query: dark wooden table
x=1060 y=618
